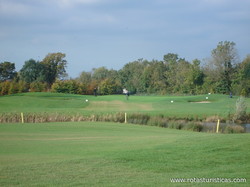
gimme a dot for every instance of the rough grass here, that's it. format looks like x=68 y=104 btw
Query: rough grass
x=108 y=154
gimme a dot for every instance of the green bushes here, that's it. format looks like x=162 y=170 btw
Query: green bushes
x=234 y=129
x=176 y=124
x=158 y=121
x=67 y=86
x=240 y=111
x=194 y=126
x=38 y=86
x=138 y=118
x=12 y=87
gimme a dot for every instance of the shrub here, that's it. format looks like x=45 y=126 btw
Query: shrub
x=38 y=86
x=176 y=124
x=234 y=129
x=67 y=86
x=194 y=126
x=5 y=86
x=212 y=119
x=240 y=111
x=138 y=118
x=13 y=88
x=22 y=87
x=159 y=121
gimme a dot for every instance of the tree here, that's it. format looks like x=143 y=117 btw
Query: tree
x=7 y=71
x=131 y=76
x=177 y=70
x=224 y=58
x=241 y=81
x=31 y=71
x=67 y=86
x=54 y=66
x=196 y=77
x=154 y=78
x=85 y=78
x=107 y=87
x=100 y=74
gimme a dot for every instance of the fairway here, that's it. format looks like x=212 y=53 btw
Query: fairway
x=171 y=106
x=110 y=154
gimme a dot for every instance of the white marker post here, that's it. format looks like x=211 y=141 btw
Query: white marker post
x=218 y=125
x=125 y=117
x=22 y=117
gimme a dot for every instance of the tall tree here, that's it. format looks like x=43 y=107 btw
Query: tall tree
x=196 y=77
x=154 y=77
x=241 y=82
x=224 y=58
x=176 y=73
x=54 y=66
x=7 y=71
x=31 y=71
x=100 y=74
x=131 y=76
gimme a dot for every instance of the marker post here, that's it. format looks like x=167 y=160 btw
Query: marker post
x=125 y=117
x=22 y=117
x=218 y=126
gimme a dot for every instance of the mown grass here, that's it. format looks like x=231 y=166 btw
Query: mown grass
x=109 y=154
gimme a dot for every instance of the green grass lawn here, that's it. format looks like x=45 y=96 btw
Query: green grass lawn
x=182 y=106
x=109 y=154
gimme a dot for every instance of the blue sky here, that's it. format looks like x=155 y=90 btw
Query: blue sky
x=111 y=33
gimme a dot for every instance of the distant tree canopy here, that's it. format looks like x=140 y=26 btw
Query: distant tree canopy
x=7 y=71
x=31 y=71
x=52 y=67
x=222 y=73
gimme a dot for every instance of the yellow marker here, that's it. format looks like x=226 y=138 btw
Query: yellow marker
x=218 y=125
x=22 y=117
x=125 y=117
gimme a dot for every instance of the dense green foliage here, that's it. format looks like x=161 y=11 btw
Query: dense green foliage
x=223 y=73
x=111 y=154
x=7 y=71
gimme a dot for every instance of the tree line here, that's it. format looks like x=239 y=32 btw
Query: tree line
x=222 y=73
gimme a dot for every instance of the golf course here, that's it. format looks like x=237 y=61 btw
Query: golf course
x=102 y=153
x=173 y=106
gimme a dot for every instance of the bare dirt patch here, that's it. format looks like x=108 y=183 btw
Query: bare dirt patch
x=118 y=105
x=201 y=102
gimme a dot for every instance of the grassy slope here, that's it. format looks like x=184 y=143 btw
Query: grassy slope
x=108 y=154
x=66 y=103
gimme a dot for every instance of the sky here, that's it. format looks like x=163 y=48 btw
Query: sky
x=112 y=33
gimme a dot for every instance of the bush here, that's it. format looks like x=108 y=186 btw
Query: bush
x=67 y=86
x=5 y=86
x=158 y=121
x=22 y=87
x=234 y=129
x=240 y=111
x=212 y=119
x=176 y=124
x=38 y=86
x=138 y=118
x=13 y=88
x=194 y=126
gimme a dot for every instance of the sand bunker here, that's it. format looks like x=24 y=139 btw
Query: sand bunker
x=201 y=102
